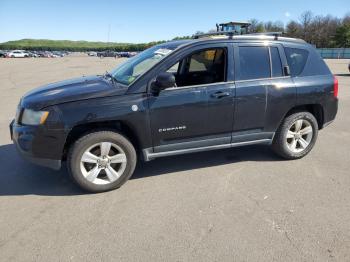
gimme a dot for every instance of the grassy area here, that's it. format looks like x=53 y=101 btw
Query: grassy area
x=44 y=44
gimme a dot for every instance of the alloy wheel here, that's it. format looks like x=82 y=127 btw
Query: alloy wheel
x=103 y=163
x=299 y=135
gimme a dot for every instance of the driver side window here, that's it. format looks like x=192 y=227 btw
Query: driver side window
x=202 y=67
x=174 y=68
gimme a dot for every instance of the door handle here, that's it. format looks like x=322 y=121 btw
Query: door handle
x=220 y=94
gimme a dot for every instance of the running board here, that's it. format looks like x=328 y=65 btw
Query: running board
x=149 y=155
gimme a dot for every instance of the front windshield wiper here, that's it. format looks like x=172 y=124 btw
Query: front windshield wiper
x=108 y=74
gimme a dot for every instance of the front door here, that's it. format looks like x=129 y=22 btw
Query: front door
x=198 y=112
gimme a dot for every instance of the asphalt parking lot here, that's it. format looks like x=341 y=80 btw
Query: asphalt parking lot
x=241 y=204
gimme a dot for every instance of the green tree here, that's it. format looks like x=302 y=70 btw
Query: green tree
x=342 y=36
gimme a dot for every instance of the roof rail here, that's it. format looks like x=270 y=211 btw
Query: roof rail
x=230 y=34
x=274 y=34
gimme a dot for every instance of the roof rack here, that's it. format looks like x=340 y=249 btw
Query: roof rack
x=274 y=34
x=230 y=34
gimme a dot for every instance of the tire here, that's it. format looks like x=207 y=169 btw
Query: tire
x=288 y=135
x=121 y=157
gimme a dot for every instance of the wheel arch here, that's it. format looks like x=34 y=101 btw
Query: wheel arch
x=315 y=109
x=80 y=130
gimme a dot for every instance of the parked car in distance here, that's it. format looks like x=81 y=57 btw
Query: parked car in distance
x=57 y=54
x=131 y=54
x=127 y=54
x=179 y=97
x=32 y=54
x=17 y=54
x=107 y=54
x=2 y=54
x=123 y=54
x=48 y=54
x=92 y=53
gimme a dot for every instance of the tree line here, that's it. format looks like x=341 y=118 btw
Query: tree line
x=322 y=31
x=74 y=46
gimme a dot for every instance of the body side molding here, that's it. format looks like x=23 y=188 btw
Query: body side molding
x=149 y=155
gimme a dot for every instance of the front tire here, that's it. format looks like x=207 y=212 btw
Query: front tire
x=101 y=161
x=296 y=136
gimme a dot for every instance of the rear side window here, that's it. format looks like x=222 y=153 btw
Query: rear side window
x=276 y=62
x=296 y=59
x=254 y=62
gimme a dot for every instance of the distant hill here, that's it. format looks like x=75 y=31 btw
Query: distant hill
x=45 y=44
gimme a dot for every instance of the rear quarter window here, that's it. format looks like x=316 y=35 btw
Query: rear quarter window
x=296 y=59
x=276 y=62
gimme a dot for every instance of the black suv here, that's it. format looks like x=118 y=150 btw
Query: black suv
x=175 y=98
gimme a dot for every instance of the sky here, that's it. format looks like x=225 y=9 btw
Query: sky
x=136 y=21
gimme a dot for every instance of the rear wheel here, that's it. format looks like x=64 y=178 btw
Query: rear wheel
x=296 y=136
x=101 y=161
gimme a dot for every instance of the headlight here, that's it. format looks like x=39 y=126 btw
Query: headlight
x=31 y=117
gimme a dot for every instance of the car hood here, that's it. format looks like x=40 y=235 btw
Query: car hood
x=70 y=90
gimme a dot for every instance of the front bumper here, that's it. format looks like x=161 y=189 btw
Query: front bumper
x=24 y=139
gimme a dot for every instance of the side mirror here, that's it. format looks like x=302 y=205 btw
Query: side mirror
x=286 y=70
x=163 y=81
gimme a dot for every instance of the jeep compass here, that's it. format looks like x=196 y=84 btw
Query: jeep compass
x=175 y=98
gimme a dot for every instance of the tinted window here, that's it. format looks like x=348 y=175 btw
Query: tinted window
x=254 y=62
x=276 y=62
x=296 y=59
x=204 y=60
x=202 y=67
x=174 y=68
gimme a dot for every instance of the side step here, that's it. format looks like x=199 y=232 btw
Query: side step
x=149 y=155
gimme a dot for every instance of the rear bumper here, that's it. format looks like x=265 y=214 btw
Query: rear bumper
x=23 y=138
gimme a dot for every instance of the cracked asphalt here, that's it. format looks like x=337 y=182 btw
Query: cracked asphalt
x=240 y=204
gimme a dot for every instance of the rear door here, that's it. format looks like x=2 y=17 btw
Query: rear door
x=263 y=91
x=252 y=82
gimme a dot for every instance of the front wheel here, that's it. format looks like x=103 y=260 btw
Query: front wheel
x=296 y=136
x=101 y=161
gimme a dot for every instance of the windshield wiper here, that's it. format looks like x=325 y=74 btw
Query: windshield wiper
x=114 y=80
x=108 y=74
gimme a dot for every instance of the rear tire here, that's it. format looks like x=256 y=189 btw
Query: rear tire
x=296 y=136
x=101 y=161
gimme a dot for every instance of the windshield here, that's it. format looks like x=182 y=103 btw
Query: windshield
x=128 y=71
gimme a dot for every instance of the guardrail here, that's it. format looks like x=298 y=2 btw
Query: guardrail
x=335 y=53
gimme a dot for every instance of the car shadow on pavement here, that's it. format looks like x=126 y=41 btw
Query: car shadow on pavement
x=18 y=177
x=162 y=166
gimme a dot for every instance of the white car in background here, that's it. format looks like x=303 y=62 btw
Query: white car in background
x=17 y=54
x=92 y=53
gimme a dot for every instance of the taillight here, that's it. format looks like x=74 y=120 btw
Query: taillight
x=335 y=87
